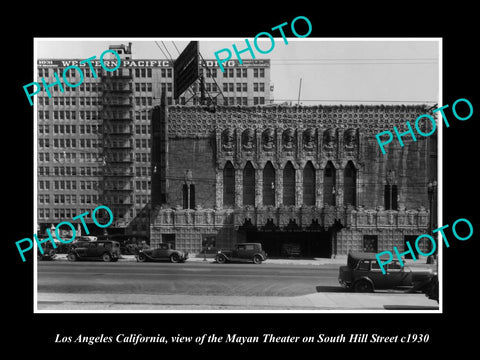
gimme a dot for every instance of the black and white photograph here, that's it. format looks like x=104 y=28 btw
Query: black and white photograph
x=196 y=183
x=242 y=183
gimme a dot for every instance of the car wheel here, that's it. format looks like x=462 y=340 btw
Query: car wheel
x=174 y=258
x=257 y=259
x=363 y=286
x=221 y=259
x=71 y=257
x=141 y=257
x=106 y=257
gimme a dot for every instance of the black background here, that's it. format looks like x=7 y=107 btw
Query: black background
x=453 y=328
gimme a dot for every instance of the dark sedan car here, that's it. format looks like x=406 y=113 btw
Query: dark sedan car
x=105 y=250
x=164 y=252
x=363 y=274
x=243 y=252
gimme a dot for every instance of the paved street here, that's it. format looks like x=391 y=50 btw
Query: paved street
x=204 y=286
x=190 y=278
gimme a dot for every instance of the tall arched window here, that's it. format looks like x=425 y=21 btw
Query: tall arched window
x=228 y=185
x=349 y=184
x=309 y=184
x=248 y=184
x=268 y=184
x=188 y=196
x=391 y=194
x=329 y=184
x=289 y=184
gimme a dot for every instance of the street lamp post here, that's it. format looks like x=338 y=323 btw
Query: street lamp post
x=431 y=189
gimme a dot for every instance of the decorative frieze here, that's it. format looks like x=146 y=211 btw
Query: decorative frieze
x=350 y=218
x=194 y=121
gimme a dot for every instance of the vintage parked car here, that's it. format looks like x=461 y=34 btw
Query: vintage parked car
x=363 y=274
x=163 y=252
x=49 y=253
x=244 y=252
x=431 y=291
x=106 y=250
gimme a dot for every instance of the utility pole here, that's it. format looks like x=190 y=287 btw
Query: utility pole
x=299 y=90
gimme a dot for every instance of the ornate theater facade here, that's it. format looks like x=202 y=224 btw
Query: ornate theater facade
x=302 y=180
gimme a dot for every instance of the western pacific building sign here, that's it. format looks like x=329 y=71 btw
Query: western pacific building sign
x=148 y=63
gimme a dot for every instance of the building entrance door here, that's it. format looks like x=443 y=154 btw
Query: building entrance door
x=281 y=244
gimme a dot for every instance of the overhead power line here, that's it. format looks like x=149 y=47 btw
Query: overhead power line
x=167 y=51
x=176 y=47
x=363 y=100
x=351 y=63
x=356 y=59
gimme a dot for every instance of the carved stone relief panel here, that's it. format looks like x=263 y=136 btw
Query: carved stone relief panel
x=329 y=143
x=268 y=140
x=288 y=140
x=228 y=140
x=350 y=142
x=309 y=140
x=248 y=140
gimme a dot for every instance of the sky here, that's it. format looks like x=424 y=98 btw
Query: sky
x=331 y=71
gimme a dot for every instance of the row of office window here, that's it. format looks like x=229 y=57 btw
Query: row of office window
x=142 y=157
x=242 y=86
x=147 y=72
x=68 y=157
x=144 y=101
x=142 y=143
x=69 y=171
x=141 y=199
x=243 y=100
x=67 y=199
x=63 y=213
x=142 y=185
x=69 y=115
x=142 y=129
x=242 y=73
x=144 y=87
x=118 y=199
x=71 y=73
x=67 y=185
x=70 y=143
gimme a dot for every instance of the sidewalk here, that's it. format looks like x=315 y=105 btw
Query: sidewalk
x=317 y=301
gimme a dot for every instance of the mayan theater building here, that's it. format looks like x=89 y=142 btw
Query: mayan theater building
x=306 y=181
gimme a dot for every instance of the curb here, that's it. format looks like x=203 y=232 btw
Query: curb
x=339 y=261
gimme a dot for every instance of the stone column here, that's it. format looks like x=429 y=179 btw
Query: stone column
x=299 y=187
x=238 y=187
x=358 y=186
x=319 y=187
x=258 y=187
x=339 y=173
x=219 y=188
x=278 y=186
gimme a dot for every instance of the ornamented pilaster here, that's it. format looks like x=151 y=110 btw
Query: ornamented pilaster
x=319 y=187
x=238 y=187
x=218 y=188
x=278 y=186
x=339 y=185
x=298 y=187
x=258 y=187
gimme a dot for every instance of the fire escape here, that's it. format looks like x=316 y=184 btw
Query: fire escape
x=117 y=175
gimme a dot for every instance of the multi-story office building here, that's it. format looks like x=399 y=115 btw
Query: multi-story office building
x=94 y=139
